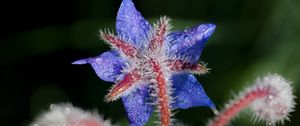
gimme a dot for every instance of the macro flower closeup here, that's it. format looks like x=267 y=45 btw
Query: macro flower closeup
x=152 y=68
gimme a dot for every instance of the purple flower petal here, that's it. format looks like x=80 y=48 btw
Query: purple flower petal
x=188 y=92
x=137 y=107
x=131 y=25
x=107 y=66
x=190 y=42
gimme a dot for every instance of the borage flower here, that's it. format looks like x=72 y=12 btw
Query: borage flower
x=152 y=67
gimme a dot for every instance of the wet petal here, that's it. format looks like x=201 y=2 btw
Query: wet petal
x=188 y=92
x=107 y=66
x=190 y=42
x=137 y=107
x=131 y=25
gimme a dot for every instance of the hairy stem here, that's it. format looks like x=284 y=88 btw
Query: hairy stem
x=239 y=104
x=163 y=96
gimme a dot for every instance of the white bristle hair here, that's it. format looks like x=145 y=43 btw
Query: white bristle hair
x=276 y=107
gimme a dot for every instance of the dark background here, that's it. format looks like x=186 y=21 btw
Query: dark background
x=39 y=40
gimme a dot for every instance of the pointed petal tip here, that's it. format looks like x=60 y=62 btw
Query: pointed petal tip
x=80 y=62
x=211 y=25
x=209 y=29
x=212 y=105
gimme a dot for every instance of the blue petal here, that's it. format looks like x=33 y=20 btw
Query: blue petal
x=190 y=42
x=137 y=107
x=188 y=92
x=131 y=25
x=107 y=66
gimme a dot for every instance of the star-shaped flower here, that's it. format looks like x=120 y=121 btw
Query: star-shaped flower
x=152 y=67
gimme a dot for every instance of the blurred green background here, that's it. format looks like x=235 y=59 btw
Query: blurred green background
x=40 y=39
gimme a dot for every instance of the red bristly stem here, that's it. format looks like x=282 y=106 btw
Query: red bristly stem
x=159 y=36
x=163 y=97
x=181 y=65
x=118 y=43
x=233 y=109
x=128 y=81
